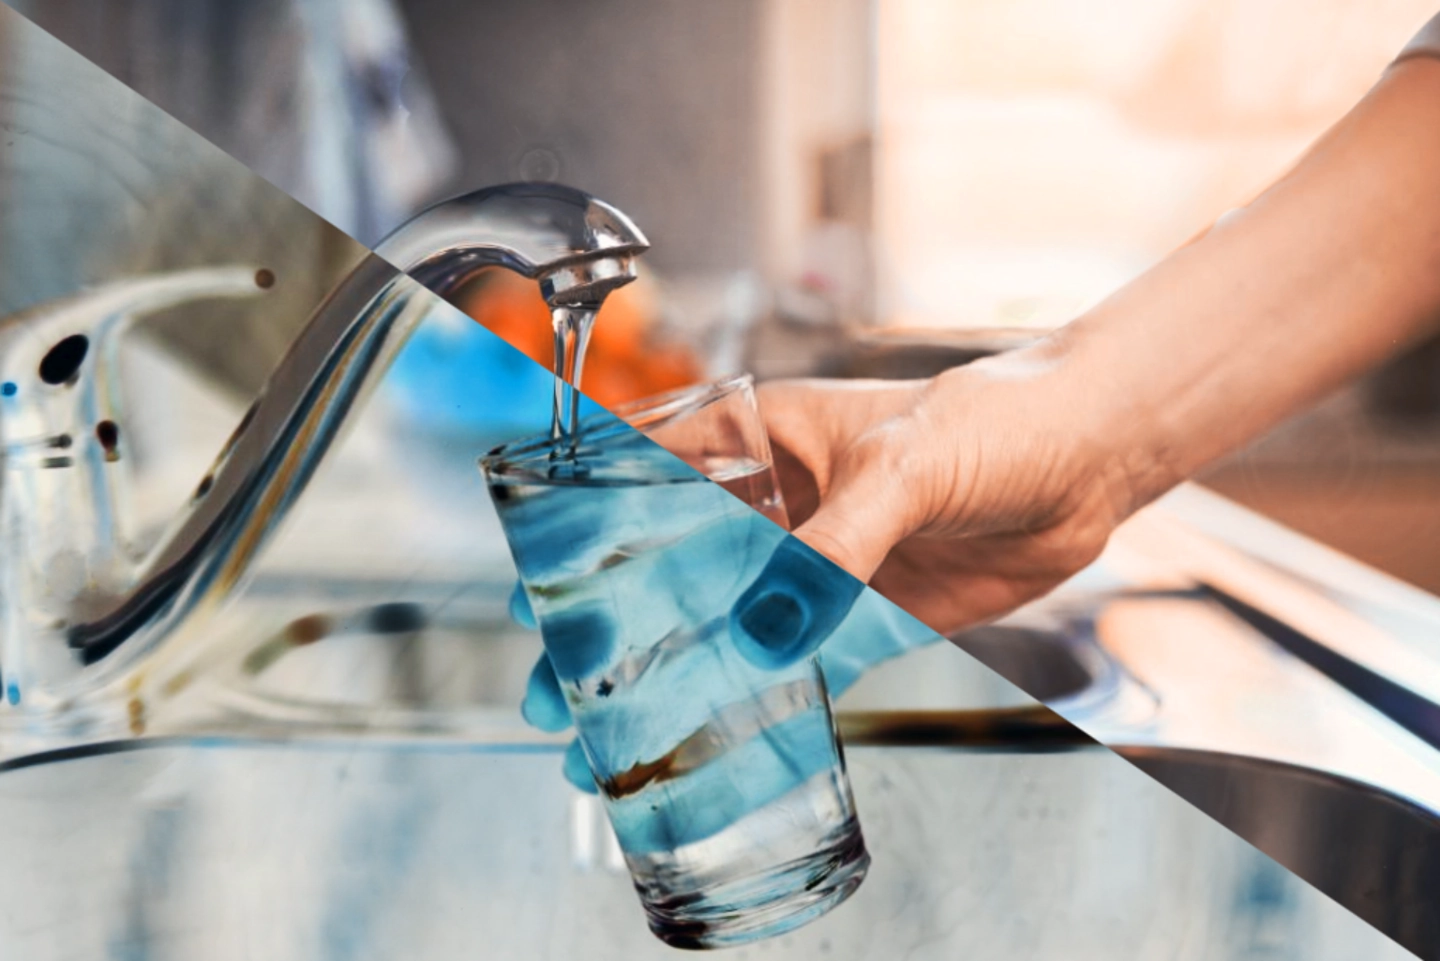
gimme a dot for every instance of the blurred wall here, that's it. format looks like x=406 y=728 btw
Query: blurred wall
x=1036 y=154
x=651 y=106
x=96 y=183
x=818 y=103
x=320 y=97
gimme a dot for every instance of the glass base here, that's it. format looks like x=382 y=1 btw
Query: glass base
x=763 y=905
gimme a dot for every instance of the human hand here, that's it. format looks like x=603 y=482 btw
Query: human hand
x=958 y=498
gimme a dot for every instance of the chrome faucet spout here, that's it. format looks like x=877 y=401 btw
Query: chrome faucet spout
x=574 y=246
x=577 y=248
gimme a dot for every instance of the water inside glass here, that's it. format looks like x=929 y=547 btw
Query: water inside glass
x=724 y=782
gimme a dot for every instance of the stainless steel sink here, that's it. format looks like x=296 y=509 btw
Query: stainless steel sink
x=351 y=850
x=381 y=799
x=1373 y=848
x=459 y=672
x=1048 y=665
x=1371 y=851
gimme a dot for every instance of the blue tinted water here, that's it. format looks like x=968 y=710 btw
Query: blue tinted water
x=632 y=561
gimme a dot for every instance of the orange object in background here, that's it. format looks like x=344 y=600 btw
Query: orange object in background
x=625 y=361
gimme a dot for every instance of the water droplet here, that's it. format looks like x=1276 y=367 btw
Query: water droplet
x=62 y=363
x=245 y=421
x=107 y=432
x=308 y=629
x=396 y=618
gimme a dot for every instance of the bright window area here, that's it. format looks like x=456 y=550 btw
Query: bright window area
x=1032 y=155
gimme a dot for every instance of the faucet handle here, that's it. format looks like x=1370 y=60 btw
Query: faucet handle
x=64 y=488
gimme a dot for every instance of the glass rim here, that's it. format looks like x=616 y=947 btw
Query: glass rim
x=682 y=400
x=656 y=409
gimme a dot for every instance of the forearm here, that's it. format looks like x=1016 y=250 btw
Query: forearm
x=1332 y=270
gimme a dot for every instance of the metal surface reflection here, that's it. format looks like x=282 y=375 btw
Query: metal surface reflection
x=1375 y=853
x=337 y=853
x=1297 y=721
x=574 y=246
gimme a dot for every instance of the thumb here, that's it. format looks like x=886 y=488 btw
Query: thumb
x=860 y=519
x=812 y=580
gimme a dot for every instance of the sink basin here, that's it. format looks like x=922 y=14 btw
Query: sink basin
x=1376 y=854
x=348 y=850
x=1045 y=664
x=417 y=656
x=469 y=667
x=300 y=840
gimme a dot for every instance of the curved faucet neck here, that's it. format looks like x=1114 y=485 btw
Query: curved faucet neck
x=576 y=247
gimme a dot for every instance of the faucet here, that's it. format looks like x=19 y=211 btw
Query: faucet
x=80 y=617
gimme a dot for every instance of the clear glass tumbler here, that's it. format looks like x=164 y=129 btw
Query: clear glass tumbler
x=724 y=781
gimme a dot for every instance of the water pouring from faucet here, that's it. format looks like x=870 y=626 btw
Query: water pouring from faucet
x=579 y=258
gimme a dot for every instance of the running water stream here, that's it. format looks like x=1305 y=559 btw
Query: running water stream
x=573 y=325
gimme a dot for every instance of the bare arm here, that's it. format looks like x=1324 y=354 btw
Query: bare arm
x=961 y=497
x=1333 y=269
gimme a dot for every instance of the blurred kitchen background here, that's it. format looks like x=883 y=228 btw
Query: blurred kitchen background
x=848 y=187
x=832 y=187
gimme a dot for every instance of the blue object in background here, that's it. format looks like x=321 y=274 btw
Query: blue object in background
x=456 y=377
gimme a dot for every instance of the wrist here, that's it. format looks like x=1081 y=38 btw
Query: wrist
x=1111 y=441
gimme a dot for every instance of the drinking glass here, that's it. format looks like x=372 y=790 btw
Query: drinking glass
x=725 y=782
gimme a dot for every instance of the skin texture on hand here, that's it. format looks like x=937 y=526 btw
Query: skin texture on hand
x=948 y=496
x=963 y=497
x=867 y=458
